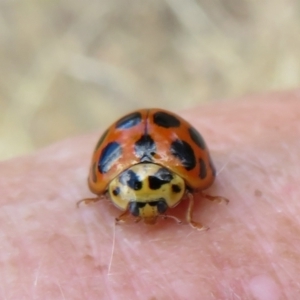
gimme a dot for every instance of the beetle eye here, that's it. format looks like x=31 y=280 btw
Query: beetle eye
x=134 y=209
x=161 y=206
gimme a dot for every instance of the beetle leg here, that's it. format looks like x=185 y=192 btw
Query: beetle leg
x=123 y=217
x=137 y=219
x=189 y=219
x=218 y=199
x=171 y=217
x=90 y=200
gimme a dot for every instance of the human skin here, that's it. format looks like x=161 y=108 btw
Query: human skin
x=50 y=249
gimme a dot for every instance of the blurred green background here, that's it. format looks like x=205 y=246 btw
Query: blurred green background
x=70 y=67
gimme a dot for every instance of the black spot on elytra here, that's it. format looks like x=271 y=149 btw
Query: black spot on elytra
x=203 y=170
x=103 y=136
x=176 y=188
x=110 y=153
x=129 y=121
x=196 y=137
x=145 y=148
x=94 y=169
x=184 y=152
x=166 y=120
x=162 y=176
x=131 y=179
x=116 y=191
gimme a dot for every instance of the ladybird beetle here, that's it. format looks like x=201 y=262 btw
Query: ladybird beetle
x=147 y=162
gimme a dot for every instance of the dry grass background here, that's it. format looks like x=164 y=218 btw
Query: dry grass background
x=69 y=67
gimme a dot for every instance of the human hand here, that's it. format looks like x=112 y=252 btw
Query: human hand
x=52 y=250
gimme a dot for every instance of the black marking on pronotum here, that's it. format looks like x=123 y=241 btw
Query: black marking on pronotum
x=109 y=155
x=160 y=204
x=176 y=188
x=103 y=136
x=131 y=179
x=129 y=121
x=116 y=191
x=166 y=120
x=184 y=152
x=162 y=176
x=203 y=170
x=196 y=137
x=94 y=169
x=145 y=148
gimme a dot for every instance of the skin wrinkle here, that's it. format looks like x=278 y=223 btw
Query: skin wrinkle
x=116 y=261
x=266 y=255
x=263 y=288
x=79 y=281
x=164 y=282
x=93 y=247
x=61 y=290
x=283 y=269
x=289 y=276
x=37 y=273
x=225 y=287
x=112 y=250
x=20 y=236
x=75 y=265
x=263 y=238
x=257 y=230
x=225 y=164
x=147 y=267
x=128 y=282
